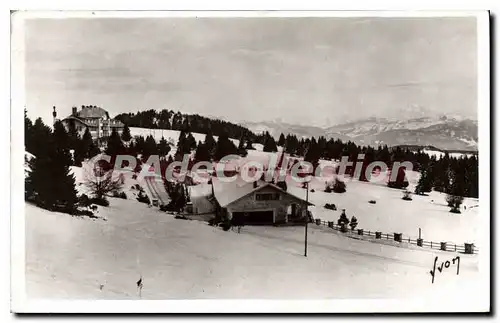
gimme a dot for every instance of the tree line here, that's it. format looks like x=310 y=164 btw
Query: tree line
x=168 y=119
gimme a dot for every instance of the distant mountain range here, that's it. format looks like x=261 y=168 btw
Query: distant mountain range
x=443 y=132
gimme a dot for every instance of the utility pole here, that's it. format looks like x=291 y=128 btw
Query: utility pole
x=307 y=219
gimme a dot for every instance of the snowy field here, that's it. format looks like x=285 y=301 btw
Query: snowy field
x=439 y=154
x=392 y=214
x=78 y=258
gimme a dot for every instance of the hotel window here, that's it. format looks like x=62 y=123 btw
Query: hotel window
x=267 y=196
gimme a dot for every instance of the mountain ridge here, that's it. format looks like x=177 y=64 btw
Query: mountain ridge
x=444 y=132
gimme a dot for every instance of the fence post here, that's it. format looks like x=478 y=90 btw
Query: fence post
x=420 y=242
x=360 y=232
x=443 y=246
x=318 y=221
x=455 y=247
x=398 y=237
x=469 y=248
x=431 y=244
x=378 y=235
x=330 y=224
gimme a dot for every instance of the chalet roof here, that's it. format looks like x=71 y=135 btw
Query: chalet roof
x=227 y=193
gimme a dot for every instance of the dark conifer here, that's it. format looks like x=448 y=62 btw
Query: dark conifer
x=163 y=147
x=281 y=140
x=50 y=183
x=269 y=143
x=126 y=134
x=202 y=153
x=115 y=144
x=425 y=182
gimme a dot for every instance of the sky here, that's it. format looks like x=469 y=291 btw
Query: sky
x=310 y=71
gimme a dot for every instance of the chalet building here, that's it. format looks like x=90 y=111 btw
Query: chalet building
x=94 y=118
x=259 y=202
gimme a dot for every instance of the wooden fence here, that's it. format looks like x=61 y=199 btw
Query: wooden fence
x=444 y=246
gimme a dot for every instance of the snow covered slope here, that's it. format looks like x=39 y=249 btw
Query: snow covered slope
x=392 y=214
x=76 y=258
x=170 y=135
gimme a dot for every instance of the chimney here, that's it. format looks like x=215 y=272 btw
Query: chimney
x=74 y=111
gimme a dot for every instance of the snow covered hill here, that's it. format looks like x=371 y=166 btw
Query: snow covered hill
x=77 y=258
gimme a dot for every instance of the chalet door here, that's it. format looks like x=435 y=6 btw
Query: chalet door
x=258 y=217
x=294 y=209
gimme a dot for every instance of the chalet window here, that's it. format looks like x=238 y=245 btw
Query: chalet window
x=267 y=196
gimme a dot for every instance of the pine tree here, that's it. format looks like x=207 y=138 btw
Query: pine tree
x=140 y=143
x=50 y=183
x=202 y=153
x=177 y=121
x=126 y=134
x=73 y=136
x=312 y=154
x=28 y=133
x=458 y=180
x=87 y=145
x=164 y=120
x=241 y=147
x=473 y=180
x=425 y=182
x=210 y=143
x=281 y=140
x=37 y=142
x=182 y=147
x=163 y=147
x=190 y=141
x=79 y=153
x=224 y=147
x=369 y=158
x=149 y=147
x=291 y=145
x=115 y=144
x=441 y=174
x=62 y=144
x=269 y=143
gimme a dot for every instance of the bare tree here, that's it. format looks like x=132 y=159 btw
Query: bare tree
x=101 y=182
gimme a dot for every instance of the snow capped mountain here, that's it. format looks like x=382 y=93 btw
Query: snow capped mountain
x=444 y=132
x=276 y=127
